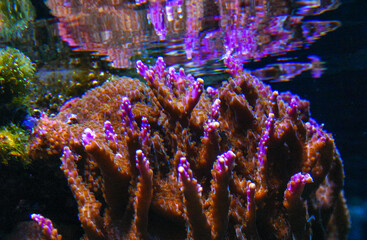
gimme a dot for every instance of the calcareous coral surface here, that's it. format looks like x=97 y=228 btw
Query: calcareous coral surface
x=169 y=160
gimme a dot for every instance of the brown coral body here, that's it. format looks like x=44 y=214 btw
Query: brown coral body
x=250 y=201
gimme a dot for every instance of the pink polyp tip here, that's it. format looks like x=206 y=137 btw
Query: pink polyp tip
x=292 y=110
x=66 y=152
x=210 y=127
x=270 y=121
x=298 y=182
x=250 y=193
x=197 y=88
x=225 y=161
x=109 y=132
x=274 y=96
x=43 y=223
x=36 y=217
x=126 y=113
x=144 y=130
x=160 y=62
x=141 y=68
x=126 y=102
x=88 y=136
x=183 y=169
x=214 y=113
x=211 y=91
x=142 y=162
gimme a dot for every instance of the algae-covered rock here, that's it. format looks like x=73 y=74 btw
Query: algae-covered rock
x=13 y=144
x=16 y=75
x=15 y=16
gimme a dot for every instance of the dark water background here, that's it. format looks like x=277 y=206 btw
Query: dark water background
x=339 y=99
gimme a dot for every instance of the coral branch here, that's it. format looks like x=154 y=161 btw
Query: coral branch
x=144 y=132
x=197 y=220
x=295 y=205
x=143 y=196
x=210 y=140
x=194 y=95
x=220 y=195
x=214 y=111
x=126 y=114
x=116 y=181
x=111 y=136
x=131 y=131
x=168 y=85
x=251 y=228
x=48 y=230
x=88 y=206
x=234 y=67
x=262 y=158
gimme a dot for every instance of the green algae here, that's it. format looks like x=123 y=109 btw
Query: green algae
x=15 y=16
x=16 y=75
x=14 y=145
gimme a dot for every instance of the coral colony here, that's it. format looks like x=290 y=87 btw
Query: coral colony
x=168 y=160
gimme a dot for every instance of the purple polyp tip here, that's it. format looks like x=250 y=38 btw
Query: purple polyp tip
x=145 y=129
x=269 y=128
x=127 y=113
x=233 y=65
x=230 y=157
x=139 y=2
x=292 y=110
x=225 y=161
x=197 y=88
x=126 y=103
x=36 y=217
x=43 y=222
x=183 y=169
x=210 y=128
x=142 y=162
x=107 y=125
x=250 y=194
x=172 y=73
x=270 y=121
x=110 y=132
x=159 y=67
x=298 y=182
x=141 y=68
x=212 y=91
x=185 y=175
x=274 y=96
x=160 y=62
x=66 y=152
x=88 y=136
x=214 y=113
x=181 y=71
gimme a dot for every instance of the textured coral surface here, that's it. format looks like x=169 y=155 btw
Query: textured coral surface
x=168 y=160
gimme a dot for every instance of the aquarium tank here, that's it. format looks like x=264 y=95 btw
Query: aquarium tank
x=183 y=119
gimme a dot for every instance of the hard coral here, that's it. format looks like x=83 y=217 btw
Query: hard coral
x=243 y=162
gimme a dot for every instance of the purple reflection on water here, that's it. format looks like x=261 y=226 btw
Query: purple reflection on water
x=191 y=32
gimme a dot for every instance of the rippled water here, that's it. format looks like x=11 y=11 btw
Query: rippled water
x=195 y=34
